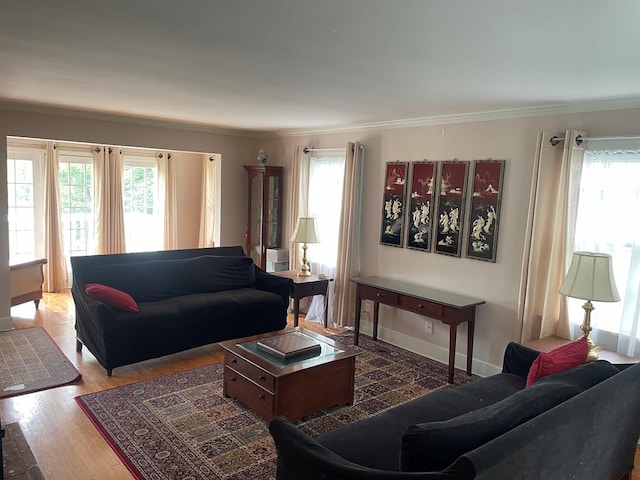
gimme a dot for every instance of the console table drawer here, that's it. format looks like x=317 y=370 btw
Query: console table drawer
x=250 y=371
x=378 y=295
x=253 y=396
x=311 y=289
x=422 y=307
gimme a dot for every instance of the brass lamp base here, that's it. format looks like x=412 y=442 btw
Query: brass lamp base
x=586 y=329
x=305 y=270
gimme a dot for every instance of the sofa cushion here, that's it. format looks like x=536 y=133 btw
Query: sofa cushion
x=558 y=360
x=160 y=279
x=434 y=446
x=355 y=441
x=116 y=299
x=583 y=376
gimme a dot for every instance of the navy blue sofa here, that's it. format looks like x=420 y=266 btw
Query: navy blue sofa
x=186 y=299
x=583 y=423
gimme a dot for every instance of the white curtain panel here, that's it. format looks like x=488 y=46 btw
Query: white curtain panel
x=109 y=231
x=167 y=198
x=299 y=199
x=207 y=202
x=55 y=271
x=549 y=242
x=348 y=265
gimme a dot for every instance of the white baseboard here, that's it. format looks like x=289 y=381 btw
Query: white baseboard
x=429 y=350
x=6 y=324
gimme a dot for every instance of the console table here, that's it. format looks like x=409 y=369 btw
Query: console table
x=450 y=308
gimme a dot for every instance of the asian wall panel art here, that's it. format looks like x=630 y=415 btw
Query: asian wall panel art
x=393 y=204
x=420 y=210
x=451 y=200
x=484 y=215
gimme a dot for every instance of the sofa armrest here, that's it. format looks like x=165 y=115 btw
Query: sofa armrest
x=272 y=283
x=518 y=359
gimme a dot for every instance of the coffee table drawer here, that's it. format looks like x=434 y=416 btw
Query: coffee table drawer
x=250 y=371
x=253 y=396
x=422 y=307
x=378 y=295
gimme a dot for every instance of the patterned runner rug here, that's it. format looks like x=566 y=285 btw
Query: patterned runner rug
x=30 y=361
x=181 y=427
x=17 y=460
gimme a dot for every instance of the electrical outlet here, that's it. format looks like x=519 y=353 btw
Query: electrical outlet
x=428 y=326
x=365 y=307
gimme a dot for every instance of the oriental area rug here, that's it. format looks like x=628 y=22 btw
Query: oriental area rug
x=30 y=361
x=180 y=426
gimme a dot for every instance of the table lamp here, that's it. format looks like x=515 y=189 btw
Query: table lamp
x=304 y=233
x=590 y=277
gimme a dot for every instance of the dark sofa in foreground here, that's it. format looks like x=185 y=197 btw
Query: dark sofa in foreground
x=583 y=423
x=185 y=299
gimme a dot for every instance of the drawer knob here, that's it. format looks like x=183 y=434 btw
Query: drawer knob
x=261 y=397
x=234 y=361
x=234 y=379
x=420 y=305
x=378 y=294
x=263 y=378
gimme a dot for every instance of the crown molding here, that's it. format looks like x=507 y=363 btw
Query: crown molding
x=506 y=114
x=545 y=110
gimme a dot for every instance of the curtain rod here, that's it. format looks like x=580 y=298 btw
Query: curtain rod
x=555 y=140
x=310 y=149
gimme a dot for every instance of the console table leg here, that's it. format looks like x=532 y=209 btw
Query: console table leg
x=470 y=331
x=453 y=333
x=356 y=333
x=376 y=308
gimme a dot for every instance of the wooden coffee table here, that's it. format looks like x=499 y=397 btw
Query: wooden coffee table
x=293 y=388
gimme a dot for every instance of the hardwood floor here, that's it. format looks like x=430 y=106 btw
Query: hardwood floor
x=63 y=440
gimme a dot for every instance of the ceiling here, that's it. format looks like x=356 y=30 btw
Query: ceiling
x=277 y=65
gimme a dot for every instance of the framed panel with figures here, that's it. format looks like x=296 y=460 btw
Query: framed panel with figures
x=450 y=207
x=420 y=209
x=484 y=215
x=393 y=204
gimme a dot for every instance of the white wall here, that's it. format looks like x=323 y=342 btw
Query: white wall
x=497 y=283
x=235 y=150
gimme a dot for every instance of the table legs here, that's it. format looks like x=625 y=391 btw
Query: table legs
x=470 y=330
x=296 y=311
x=356 y=332
x=453 y=335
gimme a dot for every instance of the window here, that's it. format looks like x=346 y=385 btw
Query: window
x=25 y=203
x=142 y=220
x=607 y=222
x=75 y=172
x=326 y=181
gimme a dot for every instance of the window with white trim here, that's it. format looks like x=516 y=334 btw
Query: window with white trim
x=608 y=222
x=75 y=173
x=142 y=220
x=25 y=203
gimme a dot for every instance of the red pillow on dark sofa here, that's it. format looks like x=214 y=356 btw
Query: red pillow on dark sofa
x=558 y=360
x=116 y=299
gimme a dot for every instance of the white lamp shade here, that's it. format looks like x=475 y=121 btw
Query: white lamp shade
x=590 y=277
x=305 y=231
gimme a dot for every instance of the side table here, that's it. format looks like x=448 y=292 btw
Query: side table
x=306 y=287
x=547 y=344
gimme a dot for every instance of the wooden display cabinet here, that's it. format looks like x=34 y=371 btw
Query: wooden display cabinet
x=264 y=215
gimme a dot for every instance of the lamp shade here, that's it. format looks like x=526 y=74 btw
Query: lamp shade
x=590 y=277
x=305 y=231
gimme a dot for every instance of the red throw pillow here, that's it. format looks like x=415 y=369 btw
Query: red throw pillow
x=558 y=360
x=116 y=299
